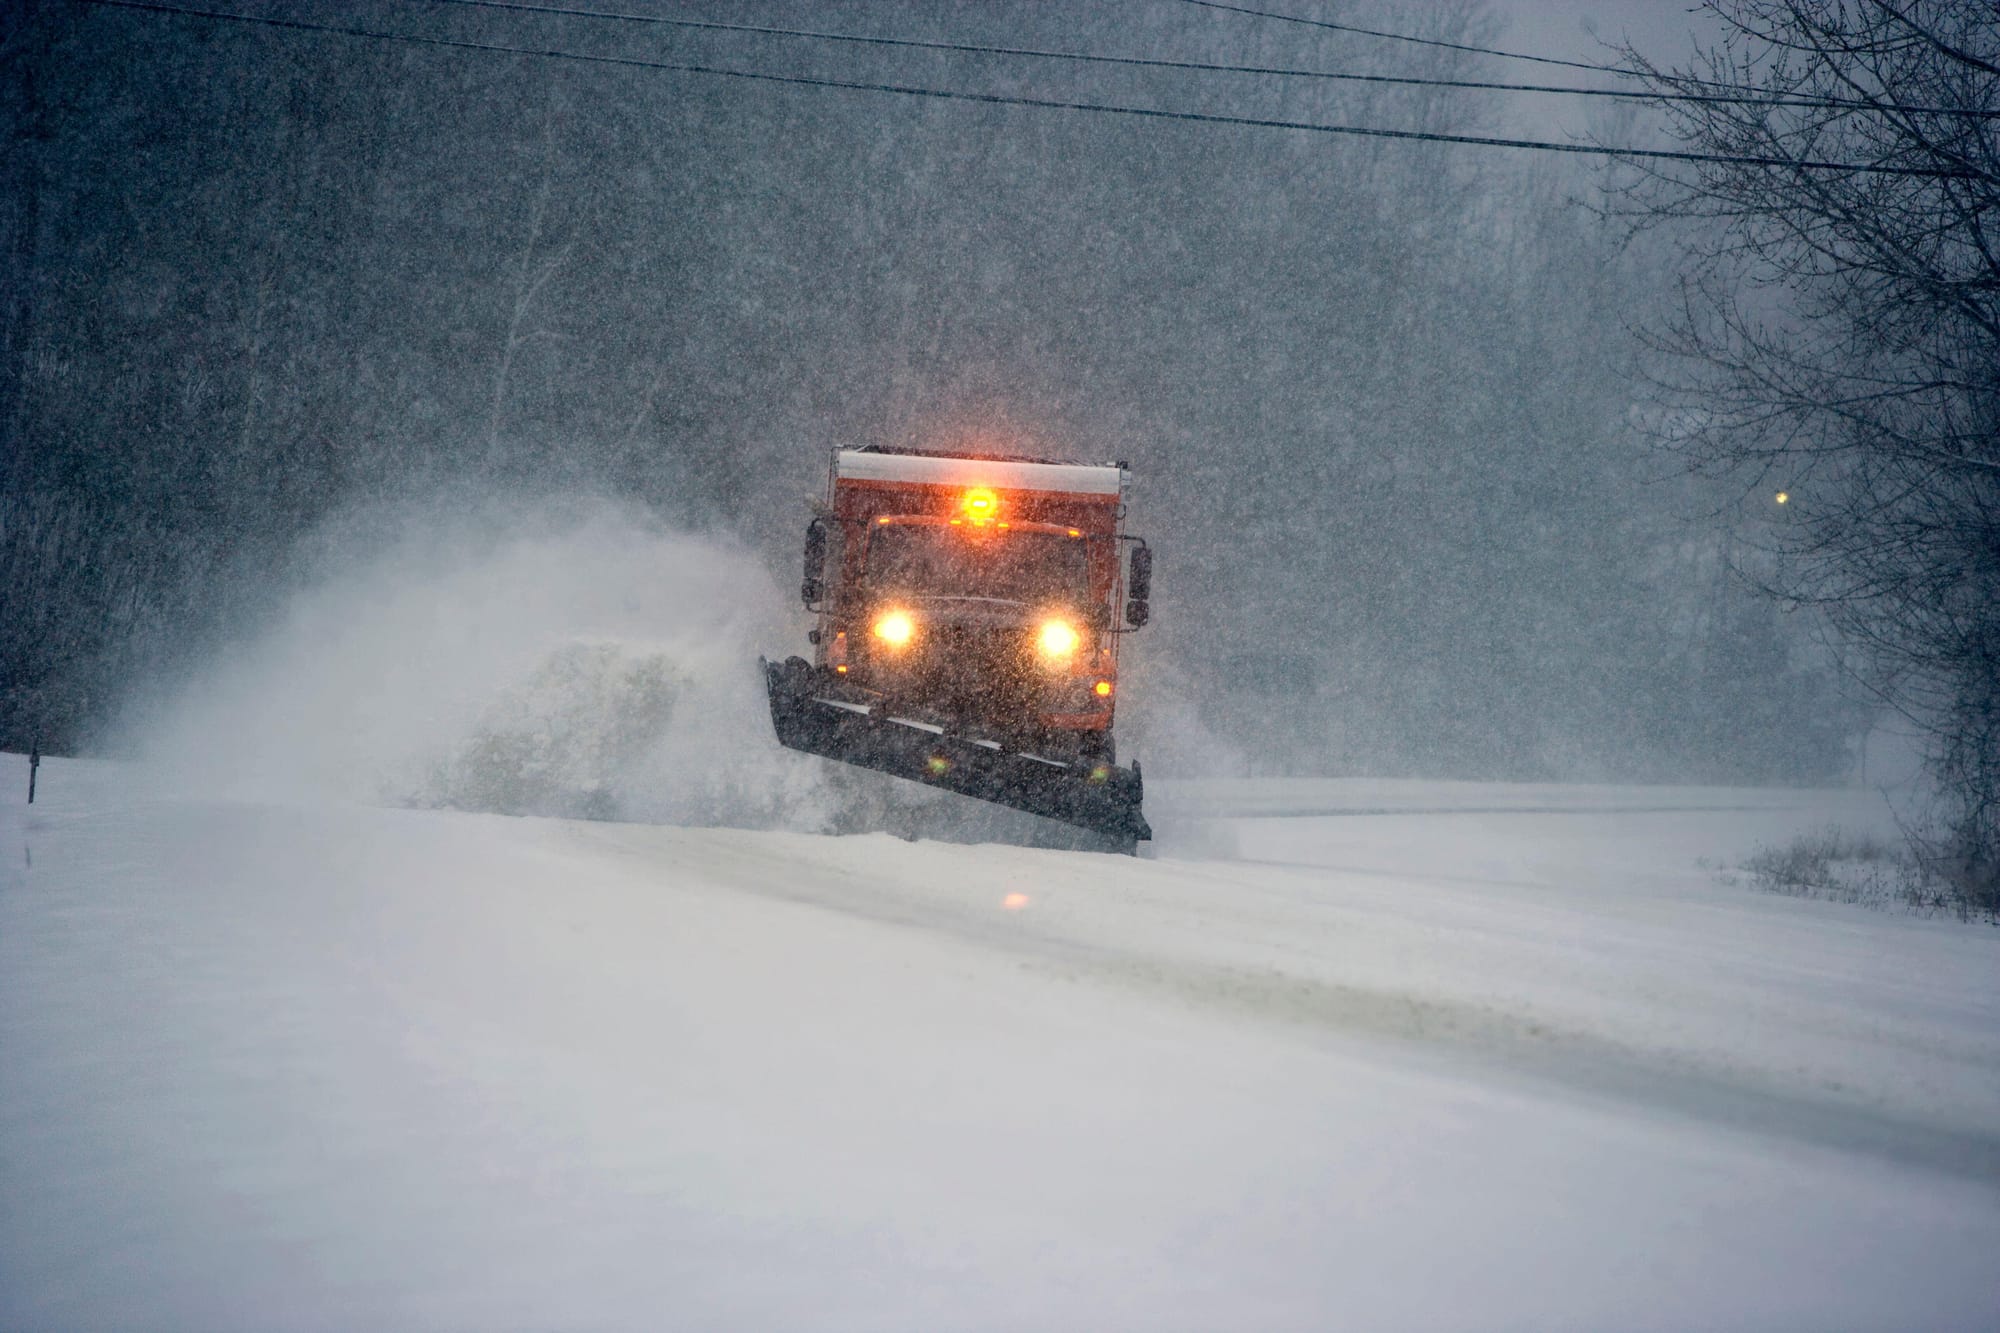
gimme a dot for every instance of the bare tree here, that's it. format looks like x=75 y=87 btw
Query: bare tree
x=1837 y=347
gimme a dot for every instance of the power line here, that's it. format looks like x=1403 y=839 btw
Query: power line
x=1595 y=68
x=1745 y=98
x=1405 y=37
x=1050 y=104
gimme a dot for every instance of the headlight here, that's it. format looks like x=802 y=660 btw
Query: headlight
x=895 y=628
x=1058 y=638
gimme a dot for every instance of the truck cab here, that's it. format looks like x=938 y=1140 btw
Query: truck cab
x=977 y=594
x=976 y=602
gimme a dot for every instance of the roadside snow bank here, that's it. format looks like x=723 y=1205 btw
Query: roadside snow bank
x=567 y=658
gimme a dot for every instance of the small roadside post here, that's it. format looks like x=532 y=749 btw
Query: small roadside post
x=34 y=762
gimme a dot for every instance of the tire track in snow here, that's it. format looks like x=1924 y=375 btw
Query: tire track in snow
x=1443 y=1035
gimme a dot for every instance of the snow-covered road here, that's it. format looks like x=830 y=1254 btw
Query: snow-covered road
x=1365 y=1055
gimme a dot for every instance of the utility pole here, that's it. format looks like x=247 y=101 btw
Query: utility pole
x=34 y=762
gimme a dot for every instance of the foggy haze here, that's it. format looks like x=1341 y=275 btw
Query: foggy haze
x=1380 y=398
x=1543 y=870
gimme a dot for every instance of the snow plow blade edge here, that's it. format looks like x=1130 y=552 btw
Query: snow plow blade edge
x=1101 y=798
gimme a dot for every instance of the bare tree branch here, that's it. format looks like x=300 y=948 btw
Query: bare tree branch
x=1840 y=335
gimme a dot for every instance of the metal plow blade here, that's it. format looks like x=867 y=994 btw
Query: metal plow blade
x=1102 y=798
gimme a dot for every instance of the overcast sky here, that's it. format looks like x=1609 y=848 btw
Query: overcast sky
x=1665 y=30
x=1572 y=29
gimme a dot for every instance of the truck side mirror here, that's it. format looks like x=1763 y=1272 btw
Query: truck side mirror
x=1139 y=588
x=814 y=586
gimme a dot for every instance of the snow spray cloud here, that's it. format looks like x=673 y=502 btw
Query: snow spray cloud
x=556 y=657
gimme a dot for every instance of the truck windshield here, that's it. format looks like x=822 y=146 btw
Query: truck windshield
x=940 y=561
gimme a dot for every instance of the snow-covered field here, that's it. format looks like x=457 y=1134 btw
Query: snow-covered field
x=1345 y=1055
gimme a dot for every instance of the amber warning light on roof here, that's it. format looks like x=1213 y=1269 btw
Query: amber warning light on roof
x=981 y=504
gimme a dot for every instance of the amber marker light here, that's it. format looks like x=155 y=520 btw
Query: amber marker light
x=981 y=504
x=895 y=628
x=1103 y=689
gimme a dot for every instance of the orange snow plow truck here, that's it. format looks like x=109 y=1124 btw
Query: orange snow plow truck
x=970 y=611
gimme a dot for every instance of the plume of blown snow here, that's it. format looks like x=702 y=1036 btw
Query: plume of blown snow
x=555 y=657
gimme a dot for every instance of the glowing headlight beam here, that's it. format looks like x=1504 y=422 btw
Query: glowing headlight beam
x=895 y=628
x=1058 y=638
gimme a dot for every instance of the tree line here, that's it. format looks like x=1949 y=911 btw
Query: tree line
x=1380 y=400
x=1837 y=344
